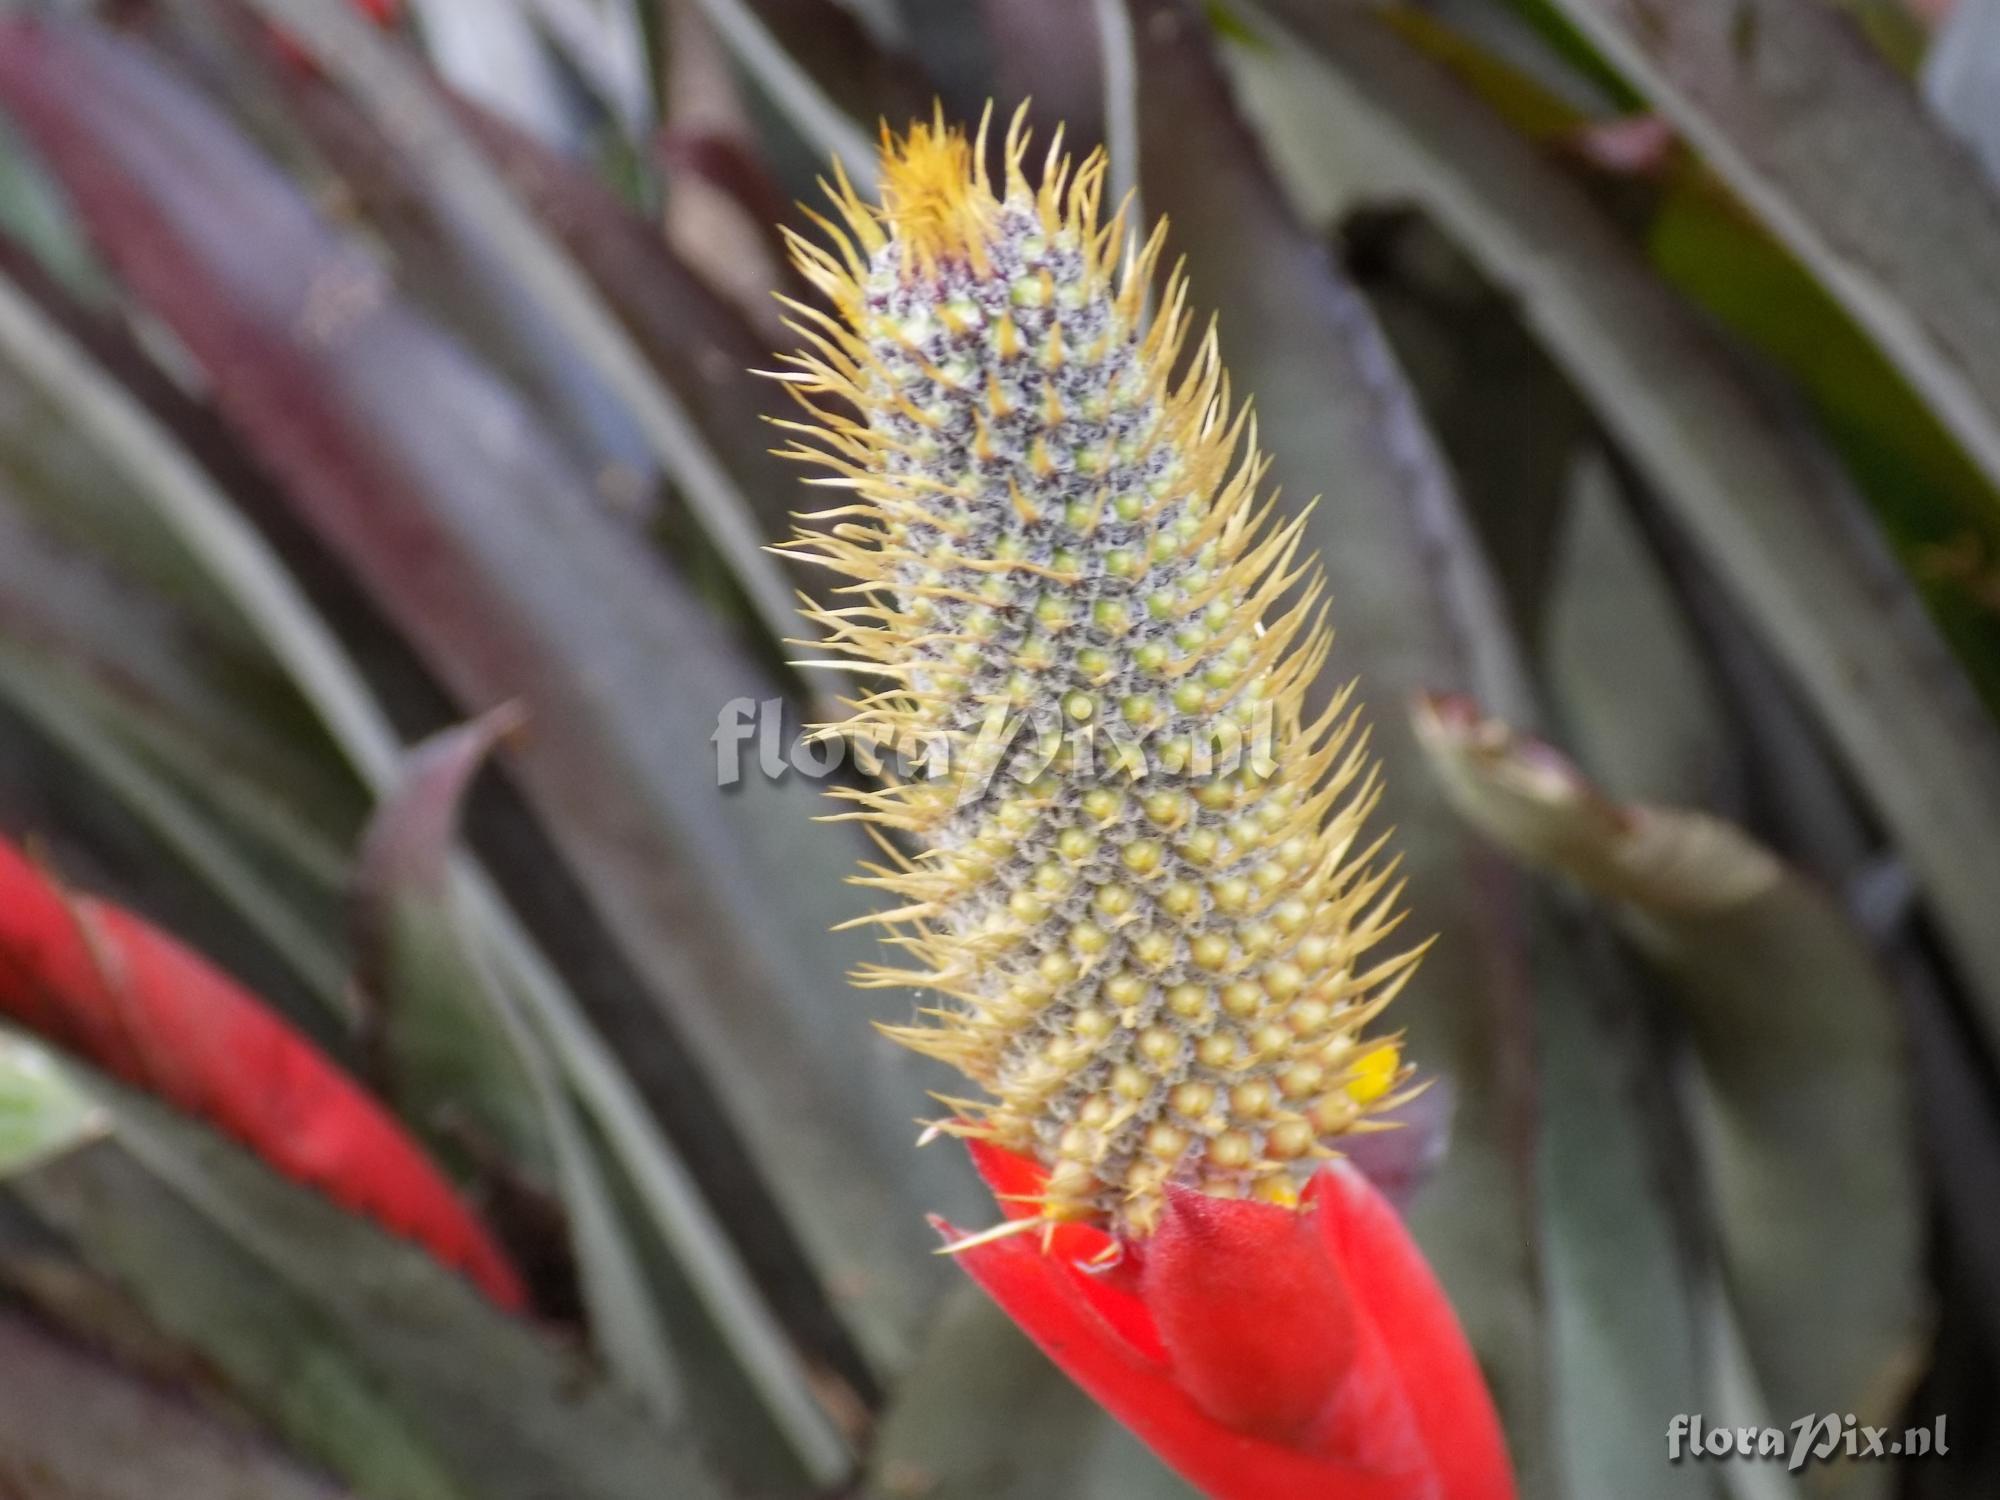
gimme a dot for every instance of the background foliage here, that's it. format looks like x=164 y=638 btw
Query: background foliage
x=375 y=406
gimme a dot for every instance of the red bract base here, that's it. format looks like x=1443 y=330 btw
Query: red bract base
x=1264 y=1353
x=114 y=990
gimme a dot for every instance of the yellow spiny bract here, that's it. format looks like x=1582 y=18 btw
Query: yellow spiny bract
x=1136 y=886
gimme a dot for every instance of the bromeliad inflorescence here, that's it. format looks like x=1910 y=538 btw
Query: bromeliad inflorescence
x=1139 y=887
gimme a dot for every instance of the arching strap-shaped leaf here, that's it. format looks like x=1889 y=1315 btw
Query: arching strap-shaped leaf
x=118 y=992
x=358 y=1348
x=1815 y=131
x=1807 y=1116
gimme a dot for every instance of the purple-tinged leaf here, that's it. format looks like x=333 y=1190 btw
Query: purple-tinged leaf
x=434 y=485
x=1401 y=1161
x=74 y=1426
x=431 y=1030
x=406 y=105
x=699 y=346
x=407 y=847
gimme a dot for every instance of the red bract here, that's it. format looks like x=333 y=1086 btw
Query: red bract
x=125 y=997
x=1265 y=1354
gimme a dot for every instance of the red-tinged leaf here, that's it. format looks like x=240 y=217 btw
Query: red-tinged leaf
x=732 y=167
x=99 y=981
x=1261 y=1352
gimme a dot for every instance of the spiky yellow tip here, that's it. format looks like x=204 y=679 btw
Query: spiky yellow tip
x=931 y=198
x=1136 y=880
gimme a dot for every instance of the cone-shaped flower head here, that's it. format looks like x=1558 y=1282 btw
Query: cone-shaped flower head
x=1137 y=883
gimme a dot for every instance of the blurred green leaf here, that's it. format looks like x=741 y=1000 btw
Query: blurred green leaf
x=216 y=709
x=74 y=1427
x=42 y=1114
x=1622 y=1284
x=1850 y=173
x=1935 y=505
x=1765 y=502
x=44 y=1278
x=1504 y=414
x=361 y=1349
x=958 y=1429
x=69 y=469
x=462 y=1057
x=1939 y=508
x=218 y=544
x=278 y=1355
x=1629 y=1289
x=700 y=347
x=1805 y=1113
x=1626 y=670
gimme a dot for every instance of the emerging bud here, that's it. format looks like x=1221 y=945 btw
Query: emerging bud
x=1138 y=885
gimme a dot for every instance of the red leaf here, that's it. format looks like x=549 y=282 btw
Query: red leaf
x=132 y=1001
x=1265 y=1354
